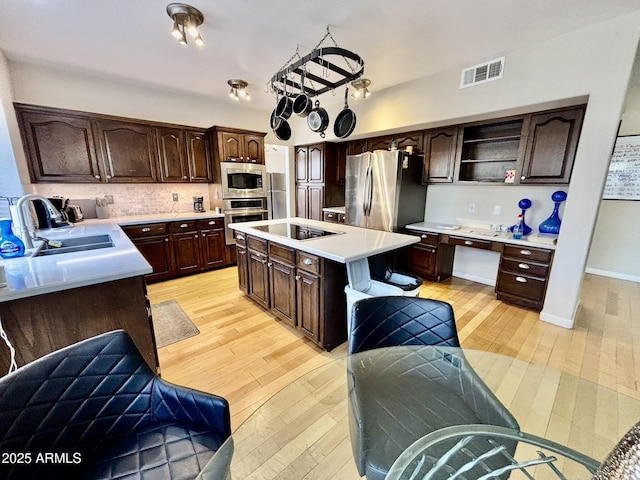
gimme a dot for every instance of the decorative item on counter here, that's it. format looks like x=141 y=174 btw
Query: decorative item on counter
x=509 y=176
x=552 y=224
x=10 y=245
x=524 y=204
x=518 y=228
x=101 y=208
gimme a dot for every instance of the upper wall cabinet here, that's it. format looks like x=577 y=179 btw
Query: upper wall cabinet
x=440 y=155
x=551 y=143
x=232 y=145
x=128 y=151
x=69 y=146
x=59 y=148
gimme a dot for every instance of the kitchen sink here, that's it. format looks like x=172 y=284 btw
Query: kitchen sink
x=75 y=244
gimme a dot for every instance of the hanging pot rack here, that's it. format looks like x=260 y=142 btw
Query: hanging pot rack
x=290 y=79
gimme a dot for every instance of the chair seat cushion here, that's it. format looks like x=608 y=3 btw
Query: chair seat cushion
x=168 y=451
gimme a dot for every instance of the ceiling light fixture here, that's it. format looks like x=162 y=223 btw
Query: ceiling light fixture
x=238 y=89
x=185 y=19
x=361 y=88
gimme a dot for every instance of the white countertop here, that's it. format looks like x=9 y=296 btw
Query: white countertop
x=29 y=276
x=534 y=239
x=353 y=244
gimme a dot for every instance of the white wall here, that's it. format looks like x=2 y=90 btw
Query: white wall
x=614 y=249
x=9 y=179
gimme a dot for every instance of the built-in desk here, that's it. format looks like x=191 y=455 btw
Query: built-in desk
x=524 y=267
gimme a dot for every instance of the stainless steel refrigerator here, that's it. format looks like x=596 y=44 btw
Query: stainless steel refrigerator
x=383 y=190
x=277 y=197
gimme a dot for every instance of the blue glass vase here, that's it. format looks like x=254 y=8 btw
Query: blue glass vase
x=10 y=245
x=552 y=224
x=524 y=204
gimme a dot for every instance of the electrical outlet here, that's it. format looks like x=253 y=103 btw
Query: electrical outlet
x=497 y=209
x=175 y=197
x=109 y=199
x=472 y=207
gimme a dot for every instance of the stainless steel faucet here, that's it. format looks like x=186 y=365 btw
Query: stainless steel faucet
x=22 y=227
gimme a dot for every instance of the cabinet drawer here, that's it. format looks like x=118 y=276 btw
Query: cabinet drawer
x=522 y=267
x=308 y=262
x=146 y=230
x=527 y=253
x=210 y=223
x=282 y=252
x=256 y=244
x=186 y=226
x=470 y=242
x=427 y=238
x=521 y=285
x=330 y=217
x=241 y=239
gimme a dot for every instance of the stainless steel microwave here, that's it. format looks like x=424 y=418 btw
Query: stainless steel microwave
x=243 y=180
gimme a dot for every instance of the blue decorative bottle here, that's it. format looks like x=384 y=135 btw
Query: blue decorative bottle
x=552 y=224
x=524 y=205
x=10 y=245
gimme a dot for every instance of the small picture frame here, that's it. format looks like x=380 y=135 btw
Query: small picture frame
x=509 y=176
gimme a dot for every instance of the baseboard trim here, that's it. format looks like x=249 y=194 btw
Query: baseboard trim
x=619 y=276
x=474 y=278
x=555 y=320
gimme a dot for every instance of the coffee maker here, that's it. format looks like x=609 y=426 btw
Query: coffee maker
x=48 y=218
x=198 y=204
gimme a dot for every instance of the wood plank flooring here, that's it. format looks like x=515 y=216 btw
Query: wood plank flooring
x=244 y=354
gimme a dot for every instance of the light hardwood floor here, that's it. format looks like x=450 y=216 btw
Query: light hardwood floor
x=244 y=354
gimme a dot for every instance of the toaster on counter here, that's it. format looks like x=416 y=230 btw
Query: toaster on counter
x=74 y=212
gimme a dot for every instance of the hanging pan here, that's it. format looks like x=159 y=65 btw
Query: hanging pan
x=302 y=104
x=284 y=108
x=345 y=121
x=275 y=120
x=283 y=130
x=318 y=119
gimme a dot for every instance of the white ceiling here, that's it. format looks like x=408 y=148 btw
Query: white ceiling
x=399 y=40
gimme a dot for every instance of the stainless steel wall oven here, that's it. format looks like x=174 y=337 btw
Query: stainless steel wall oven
x=242 y=210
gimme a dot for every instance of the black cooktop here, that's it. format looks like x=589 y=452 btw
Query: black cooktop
x=294 y=231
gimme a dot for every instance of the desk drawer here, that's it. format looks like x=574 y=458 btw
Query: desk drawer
x=522 y=267
x=527 y=253
x=308 y=262
x=146 y=230
x=470 y=242
x=426 y=238
x=256 y=244
x=523 y=286
x=186 y=226
x=330 y=217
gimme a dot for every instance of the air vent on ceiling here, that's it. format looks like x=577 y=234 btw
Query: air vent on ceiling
x=482 y=73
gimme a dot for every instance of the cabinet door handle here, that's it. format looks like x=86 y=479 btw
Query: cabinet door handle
x=166 y=239
x=196 y=236
x=97 y=176
x=239 y=237
x=521 y=279
x=524 y=266
x=146 y=229
x=270 y=264
x=433 y=250
x=241 y=251
x=523 y=177
x=329 y=215
x=468 y=242
x=212 y=222
x=307 y=261
x=297 y=277
x=424 y=235
x=525 y=252
x=184 y=177
x=184 y=225
x=203 y=235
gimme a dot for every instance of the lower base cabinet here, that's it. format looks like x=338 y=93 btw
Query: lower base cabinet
x=180 y=248
x=430 y=259
x=304 y=291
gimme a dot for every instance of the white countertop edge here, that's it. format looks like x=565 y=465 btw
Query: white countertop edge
x=471 y=232
x=334 y=209
x=356 y=242
x=154 y=218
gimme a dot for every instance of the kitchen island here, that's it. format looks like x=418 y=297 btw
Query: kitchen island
x=298 y=269
x=55 y=300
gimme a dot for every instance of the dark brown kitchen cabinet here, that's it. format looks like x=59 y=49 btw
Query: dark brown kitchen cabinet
x=317 y=180
x=429 y=258
x=199 y=165
x=128 y=151
x=212 y=244
x=401 y=140
x=242 y=262
x=551 y=143
x=258 y=270
x=309 y=305
x=341 y=163
x=233 y=145
x=356 y=147
x=439 y=155
x=523 y=275
x=172 y=161
x=153 y=242
x=186 y=246
x=59 y=146
x=282 y=282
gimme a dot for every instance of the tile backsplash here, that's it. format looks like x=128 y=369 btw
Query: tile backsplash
x=133 y=199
